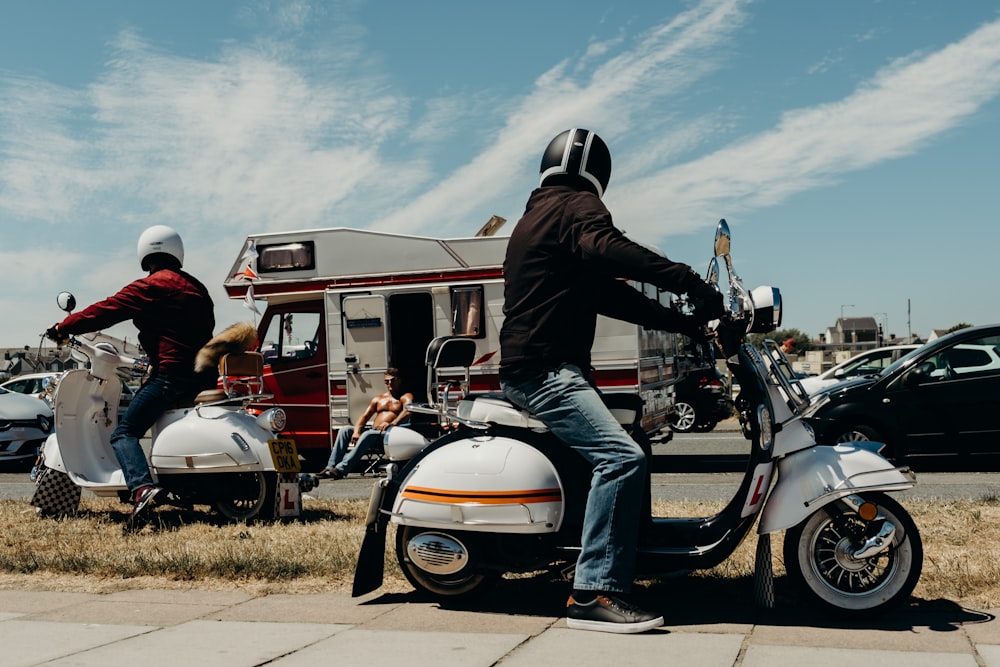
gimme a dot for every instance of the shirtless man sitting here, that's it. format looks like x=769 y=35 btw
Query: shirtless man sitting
x=385 y=410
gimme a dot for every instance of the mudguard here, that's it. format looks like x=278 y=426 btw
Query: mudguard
x=814 y=477
x=484 y=483
x=209 y=439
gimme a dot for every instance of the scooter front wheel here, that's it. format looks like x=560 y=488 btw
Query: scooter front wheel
x=442 y=563
x=249 y=496
x=851 y=565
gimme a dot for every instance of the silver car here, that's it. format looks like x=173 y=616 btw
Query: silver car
x=25 y=422
x=864 y=364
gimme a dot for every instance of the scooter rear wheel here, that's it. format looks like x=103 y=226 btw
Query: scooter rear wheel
x=253 y=498
x=819 y=561
x=441 y=563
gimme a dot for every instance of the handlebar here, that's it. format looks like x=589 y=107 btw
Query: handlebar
x=105 y=360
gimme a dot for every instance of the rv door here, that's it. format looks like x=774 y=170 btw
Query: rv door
x=366 y=350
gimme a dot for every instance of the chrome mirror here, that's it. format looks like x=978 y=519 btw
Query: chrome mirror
x=722 y=239
x=712 y=275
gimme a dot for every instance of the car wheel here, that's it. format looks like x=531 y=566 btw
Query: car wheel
x=862 y=432
x=685 y=417
x=705 y=428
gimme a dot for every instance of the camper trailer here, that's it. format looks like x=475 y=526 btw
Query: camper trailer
x=345 y=304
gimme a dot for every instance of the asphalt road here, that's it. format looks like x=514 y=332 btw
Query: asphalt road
x=692 y=466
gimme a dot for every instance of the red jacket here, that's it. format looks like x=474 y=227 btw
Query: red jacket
x=172 y=311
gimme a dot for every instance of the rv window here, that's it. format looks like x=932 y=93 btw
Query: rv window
x=291 y=336
x=286 y=257
x=468 y=317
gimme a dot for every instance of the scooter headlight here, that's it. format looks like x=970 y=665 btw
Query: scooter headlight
x=274 y=420
x=766 y=427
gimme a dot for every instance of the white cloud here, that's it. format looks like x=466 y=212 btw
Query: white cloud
x=903 y=107
x=266 y=136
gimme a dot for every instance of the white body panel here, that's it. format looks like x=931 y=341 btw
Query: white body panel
x=814 y=477
x=486 y=484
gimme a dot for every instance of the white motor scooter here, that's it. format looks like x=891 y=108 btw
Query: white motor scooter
x=214 y=452
x=501 y=494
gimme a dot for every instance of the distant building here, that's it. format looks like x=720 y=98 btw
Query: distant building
x=855 y=332
x=18 y=361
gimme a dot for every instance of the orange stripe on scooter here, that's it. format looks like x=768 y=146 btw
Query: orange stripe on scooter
x=483 y=497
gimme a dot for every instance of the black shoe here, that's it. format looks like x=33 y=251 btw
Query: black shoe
x=330 y=473
x=607 y=613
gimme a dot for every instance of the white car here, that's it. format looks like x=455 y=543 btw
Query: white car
x=29 y=383
x=869 y=362
x=25 y=422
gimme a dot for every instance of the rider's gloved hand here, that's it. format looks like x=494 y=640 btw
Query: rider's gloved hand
x=693 y=328
x=707 y=302
x=53 y=334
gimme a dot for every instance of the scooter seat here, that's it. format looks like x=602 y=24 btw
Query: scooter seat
x=498 y=410
x=210 y=396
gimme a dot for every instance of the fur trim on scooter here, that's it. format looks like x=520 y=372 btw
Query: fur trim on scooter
x=239 y=337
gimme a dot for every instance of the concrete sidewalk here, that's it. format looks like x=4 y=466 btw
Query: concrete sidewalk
x=514 y=628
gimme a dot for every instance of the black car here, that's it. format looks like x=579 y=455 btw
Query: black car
x=941 y=399
x=701 y=400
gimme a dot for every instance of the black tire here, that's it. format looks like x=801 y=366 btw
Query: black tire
x=684 y=417
x=457 y=583
x=255 y=498
x=819 y=565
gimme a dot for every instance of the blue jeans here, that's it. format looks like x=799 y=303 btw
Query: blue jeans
x=340 y=444
x=156 y=396
x=565 y=401
x=368 y=441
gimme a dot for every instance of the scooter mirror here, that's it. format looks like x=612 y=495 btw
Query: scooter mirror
x=712 y=277
x=66 y=301
x=722 y=239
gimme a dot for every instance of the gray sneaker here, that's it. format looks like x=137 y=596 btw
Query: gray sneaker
x=607 y=613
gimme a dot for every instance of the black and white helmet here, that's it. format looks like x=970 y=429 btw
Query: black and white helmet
x=578 y=152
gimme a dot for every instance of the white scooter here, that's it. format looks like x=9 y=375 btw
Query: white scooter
x=213 y=452
x=500 y=494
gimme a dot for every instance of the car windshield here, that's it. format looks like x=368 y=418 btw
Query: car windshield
x=902 y=361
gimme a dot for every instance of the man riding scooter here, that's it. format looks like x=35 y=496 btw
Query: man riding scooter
x=175 y=317
x=564 y=266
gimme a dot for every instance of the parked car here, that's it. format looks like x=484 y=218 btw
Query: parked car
x=25 y=422
x=864 y=364
x=29 y=383
x=702 y=399
x=942 y=399
x=34 y=384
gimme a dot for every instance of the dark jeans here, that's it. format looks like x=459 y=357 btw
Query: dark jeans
x=159 y=393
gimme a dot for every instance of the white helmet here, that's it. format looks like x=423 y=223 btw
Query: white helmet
x=160 y=239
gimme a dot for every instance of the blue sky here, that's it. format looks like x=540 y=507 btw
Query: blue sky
x=852 y=146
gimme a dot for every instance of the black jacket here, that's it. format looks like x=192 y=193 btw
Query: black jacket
x=565 y=264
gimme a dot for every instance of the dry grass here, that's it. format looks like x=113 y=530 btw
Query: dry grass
x=188 y=549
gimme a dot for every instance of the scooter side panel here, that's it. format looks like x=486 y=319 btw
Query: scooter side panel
x=86 y=412
x=209 y=439
x=814 y=477
x=492 y=484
